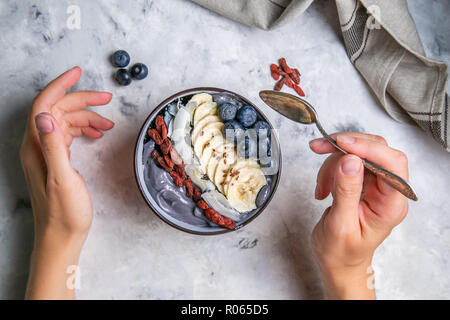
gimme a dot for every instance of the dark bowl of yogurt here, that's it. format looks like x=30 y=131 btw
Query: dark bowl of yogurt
x=171 y=203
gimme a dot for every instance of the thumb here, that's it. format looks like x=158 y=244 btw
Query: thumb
x=348 y=183
x=53 y=145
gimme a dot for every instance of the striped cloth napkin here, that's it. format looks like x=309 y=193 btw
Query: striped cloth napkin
x=382 y=42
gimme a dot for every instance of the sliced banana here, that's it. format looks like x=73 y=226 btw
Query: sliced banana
x=201 y=98
x=216 y=156
x=241 y=163
x=203 y=110
x=197 y=177
x=201 y=124
x=244 y=188
x=213 y=144
x=223 y=167
x=210 y=131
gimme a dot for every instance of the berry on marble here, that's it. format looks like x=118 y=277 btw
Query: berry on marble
x=120 y=58
x=139 y=71
x=123 y=77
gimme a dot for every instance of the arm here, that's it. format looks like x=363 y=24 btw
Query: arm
x=364 y=211
x=61 y=203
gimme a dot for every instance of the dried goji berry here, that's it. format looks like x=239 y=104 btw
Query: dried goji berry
x=180 y=170
x=299 y=90
x=197 y=194
x=175 y=157
x=165 y=146
x=168 y=161
x=176 y=179
x=159 y=121
x=274 y=71
x=189 y=187
x=202 y=204
x=295 y=76
x=289 y=82
x=279 y=84
x=160 y=160
x=284 y=66
x=154 y=135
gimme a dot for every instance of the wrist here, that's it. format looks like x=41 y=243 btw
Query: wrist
x=349 y=282
x=57 y=238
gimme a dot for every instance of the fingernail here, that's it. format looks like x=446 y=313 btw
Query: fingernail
x=346 y=139
x=351 y=165
x=317 y=192
x=316 y=142
x=43 y=123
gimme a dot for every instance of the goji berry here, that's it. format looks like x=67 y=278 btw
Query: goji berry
x=299 y=90
x=168 y=161
x=202 y=204
x=279 y=84
x=155 y=136
x=197 y=194
x=175 y=157
x=284 y=66
x=176 y=179
x=289 y=82
x=180 y=170
x=165 y=146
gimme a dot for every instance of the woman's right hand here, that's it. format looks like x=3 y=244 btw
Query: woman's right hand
x=364 y=211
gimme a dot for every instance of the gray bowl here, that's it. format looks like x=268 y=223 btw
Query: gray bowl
x=139 y=166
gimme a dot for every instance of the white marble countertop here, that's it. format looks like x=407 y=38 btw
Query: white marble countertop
x=130 y=253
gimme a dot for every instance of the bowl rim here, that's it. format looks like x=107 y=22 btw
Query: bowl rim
x=155 y=111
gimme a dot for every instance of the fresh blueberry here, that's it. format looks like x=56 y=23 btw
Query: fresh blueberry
x=263 y=195
x=233 y=130
x=120 y=59
x=247 y=116
x=123 y=77
x=247 y=147
x=262 y=128
x=139 y=71
x=227 y=111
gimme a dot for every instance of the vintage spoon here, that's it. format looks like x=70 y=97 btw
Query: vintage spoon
x=301 y=111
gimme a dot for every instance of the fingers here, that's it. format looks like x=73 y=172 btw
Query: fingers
x=53 y=148
x=81 y=99
x=322 y=145
x=92 y=132
x=347 y=187
x=325 y=177
x=389 y=158
x=55 y=90
x=87 y=118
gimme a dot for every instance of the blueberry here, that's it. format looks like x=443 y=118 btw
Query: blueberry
x=247 y=116
x=262 y=128
x=123 y=77
x=227 y=111
x=233 y=130
x=139 y=71
x=120 y=59
x=247 y=148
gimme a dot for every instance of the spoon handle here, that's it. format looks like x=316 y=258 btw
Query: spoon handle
x=396 y=182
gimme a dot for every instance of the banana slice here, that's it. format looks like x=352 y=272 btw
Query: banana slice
x=209 y=132
x=213 y=144
x=197 y=177
x=223 y=167
x=241 y=163
x=244 y=188
x=201 y=98
x=203 y=110
x=216 y=156
x=201 y=124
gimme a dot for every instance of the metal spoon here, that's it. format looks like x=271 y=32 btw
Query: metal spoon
x=301 y=111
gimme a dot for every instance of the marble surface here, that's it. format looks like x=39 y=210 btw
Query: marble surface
x=130 y=253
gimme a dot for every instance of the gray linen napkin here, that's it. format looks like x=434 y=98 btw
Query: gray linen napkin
x=382 y=42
